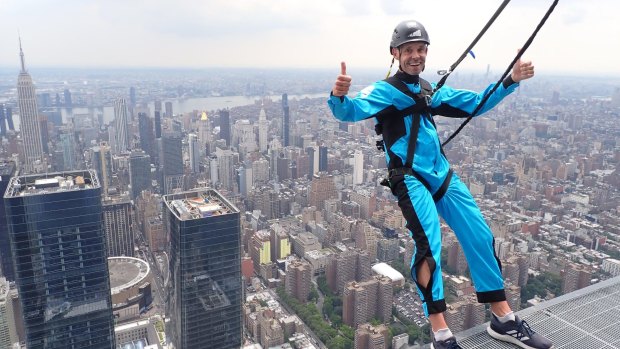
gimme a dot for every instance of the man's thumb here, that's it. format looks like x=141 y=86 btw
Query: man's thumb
x=343 y=68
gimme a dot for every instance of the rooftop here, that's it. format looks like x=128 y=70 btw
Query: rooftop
x=126 y=272
x=49 y=183
x=198 y=204
x=585 y=319
x=6 y=169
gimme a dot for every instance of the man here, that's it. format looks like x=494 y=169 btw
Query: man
x=420 y=177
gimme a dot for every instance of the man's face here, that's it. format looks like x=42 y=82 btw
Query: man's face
x=412 y=57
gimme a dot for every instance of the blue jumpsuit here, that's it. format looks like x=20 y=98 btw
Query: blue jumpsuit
x=457 y=206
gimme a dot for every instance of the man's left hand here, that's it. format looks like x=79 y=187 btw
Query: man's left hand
x=522 y=70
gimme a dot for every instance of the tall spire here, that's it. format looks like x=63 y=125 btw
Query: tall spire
x=21 y=54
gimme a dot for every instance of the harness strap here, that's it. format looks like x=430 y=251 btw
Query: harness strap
x=421 y=106
x=444 y=187
x=409 y=171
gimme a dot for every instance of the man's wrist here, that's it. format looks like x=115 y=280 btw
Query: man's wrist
x=509 y=81
x=331 y=94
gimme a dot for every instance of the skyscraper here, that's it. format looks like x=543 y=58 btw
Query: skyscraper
x=263 y=131
x=225 y=125
x=9 y=118
x=117 y=226
x=29 y=117
x=286 y=121
x=147 y=134
x=101 y=161
x=168 y=106
x=121 y=126
x=68 y=151
x=226 y=168
x=5 y=320
x=61 y=269
x=205 y=302
x=157 y=124
x=171 y=160
x=132 y=96
x=358 y=167
x=323 y=158
x=2 y=121
x=204 y=133
x=7 y=170
x=298 y=280
x=194 y=153
x=68 y=101
x=362 y=301
x=139 y=173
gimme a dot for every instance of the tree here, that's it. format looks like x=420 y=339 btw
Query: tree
x=347 y=332
x=414 y=333
x=313 y=295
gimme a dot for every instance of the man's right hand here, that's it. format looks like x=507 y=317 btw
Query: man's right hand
x=343 y=82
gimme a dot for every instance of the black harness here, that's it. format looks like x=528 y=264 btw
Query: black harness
x=390 y=118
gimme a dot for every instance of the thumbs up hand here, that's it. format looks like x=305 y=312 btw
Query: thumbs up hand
x=343 y=82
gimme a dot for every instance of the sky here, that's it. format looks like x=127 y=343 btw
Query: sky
x=580 y=38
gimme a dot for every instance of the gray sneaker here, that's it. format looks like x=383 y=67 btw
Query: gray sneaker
x=517 y=332
x=449 y=343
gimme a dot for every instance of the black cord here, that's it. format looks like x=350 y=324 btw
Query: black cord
x=517 y=57
x=473 y=43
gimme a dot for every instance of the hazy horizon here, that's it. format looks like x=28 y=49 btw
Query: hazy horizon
x=275 y=34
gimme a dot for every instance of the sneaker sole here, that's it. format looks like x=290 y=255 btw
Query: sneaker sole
x=509 y=339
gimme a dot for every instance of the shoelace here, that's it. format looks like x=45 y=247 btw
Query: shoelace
x=523 y=330
x=454 y=345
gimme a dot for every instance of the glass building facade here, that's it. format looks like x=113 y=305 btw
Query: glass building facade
x=59 y=253
x=205 y=297
x=7 y=170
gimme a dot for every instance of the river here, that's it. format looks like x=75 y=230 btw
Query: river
x=180 y=106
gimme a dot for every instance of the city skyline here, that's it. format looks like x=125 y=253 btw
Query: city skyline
x=246 y=213
x=276 y=34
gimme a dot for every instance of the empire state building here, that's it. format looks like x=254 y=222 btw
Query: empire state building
x=29 y=119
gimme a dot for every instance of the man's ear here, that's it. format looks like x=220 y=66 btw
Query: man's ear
x=394 y=51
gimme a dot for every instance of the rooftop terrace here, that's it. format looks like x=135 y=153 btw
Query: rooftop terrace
x=51 y=183
x=198 y=204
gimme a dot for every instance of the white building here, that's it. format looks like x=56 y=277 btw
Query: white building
x=358 y=167
x=386 y=270
x=611 y=266
x=139 y=333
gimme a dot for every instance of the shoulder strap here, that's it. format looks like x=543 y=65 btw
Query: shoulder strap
x=422 y=100
x=421 y=104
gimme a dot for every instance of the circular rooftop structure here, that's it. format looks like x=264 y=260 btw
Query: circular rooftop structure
x=126 y=273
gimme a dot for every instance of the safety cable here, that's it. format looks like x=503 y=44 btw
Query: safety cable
x=517 y=57
x=468 y=49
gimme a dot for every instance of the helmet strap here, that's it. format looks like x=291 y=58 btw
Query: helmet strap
x=390 y=71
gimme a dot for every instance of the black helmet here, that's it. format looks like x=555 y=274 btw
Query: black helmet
x=408 y=31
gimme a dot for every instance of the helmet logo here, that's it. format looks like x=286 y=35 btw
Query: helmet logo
x=415 y=33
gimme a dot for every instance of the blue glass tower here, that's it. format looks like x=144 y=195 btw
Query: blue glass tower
x=204 y=301
x=7 y=170
x=59 y=253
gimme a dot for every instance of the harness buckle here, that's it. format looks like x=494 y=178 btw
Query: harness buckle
x=428 y=100
x=379 y=144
